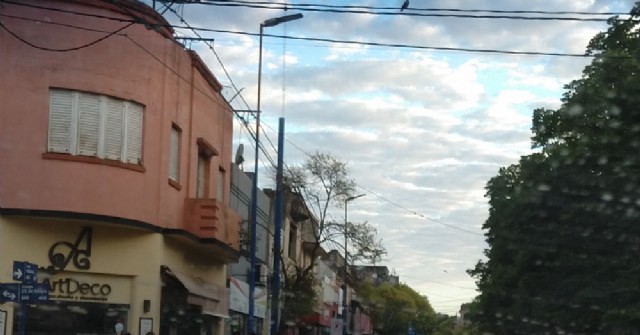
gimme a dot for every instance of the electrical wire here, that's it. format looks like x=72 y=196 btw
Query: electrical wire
x=224 y=69
x=110 y=34
x=80 y=47
x=175 y=72
x=327 y=40
x=424 y=9
x=421 y=47
x=335 y=244
x=394 y=203
x=399 y=13
x=213 y=99
x=419 y=214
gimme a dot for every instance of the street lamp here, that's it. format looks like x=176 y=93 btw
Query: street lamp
x=254 y=192
x=344 y=284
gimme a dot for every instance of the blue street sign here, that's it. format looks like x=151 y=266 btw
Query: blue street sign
x=10 y=292
x=34 y=293
x=25 y=272
x=18 y=270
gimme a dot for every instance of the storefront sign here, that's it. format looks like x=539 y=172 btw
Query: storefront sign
x=86 y=287
x=25 y=272
x=69 y=288
x=28 y=290
x=239 y=298
x=34 y=293
x=62 y=253
x=9 y=292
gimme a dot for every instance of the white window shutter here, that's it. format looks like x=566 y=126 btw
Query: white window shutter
x=174 y=151
x=95 y=125
x=89 y=124
x=134 y=133
x=60 y=111
x=114 y=129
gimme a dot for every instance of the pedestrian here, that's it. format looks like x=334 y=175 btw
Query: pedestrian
x=151 y=333
x=119 y=328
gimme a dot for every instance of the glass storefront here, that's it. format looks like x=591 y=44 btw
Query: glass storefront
x=178 y=316
x=238 y=324
x=70 y=318
x=185 y=319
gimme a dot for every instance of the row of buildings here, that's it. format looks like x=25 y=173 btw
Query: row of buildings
x=117 y=181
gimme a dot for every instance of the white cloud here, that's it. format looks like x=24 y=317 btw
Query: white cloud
x=425 y=130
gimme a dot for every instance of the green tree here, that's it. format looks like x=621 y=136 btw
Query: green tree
x=320 y=184
x=394 y=307
x=563 y=229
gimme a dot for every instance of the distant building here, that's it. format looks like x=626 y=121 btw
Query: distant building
x=358 y=321
x=239 y=273
x=462 y=315
x=328 y=294
x=375 y=275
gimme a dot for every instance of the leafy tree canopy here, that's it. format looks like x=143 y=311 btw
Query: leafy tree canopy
x=563 y=227
x=394 y=307
x=317 y=186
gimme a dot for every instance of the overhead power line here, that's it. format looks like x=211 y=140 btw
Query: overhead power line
x=394 y=203
x=224 y=69
x=86 y=45
x=116 y=33
x=420 y=9
x=328 y=40
x=422 y=47
x=393 y=11
x=204 y=93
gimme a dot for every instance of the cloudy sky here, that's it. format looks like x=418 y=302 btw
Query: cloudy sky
x=423 y=130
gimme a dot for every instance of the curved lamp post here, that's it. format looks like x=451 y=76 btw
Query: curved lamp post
x=254 y=194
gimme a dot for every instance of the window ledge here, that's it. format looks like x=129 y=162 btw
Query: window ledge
x=175 y=184
x=93 y=160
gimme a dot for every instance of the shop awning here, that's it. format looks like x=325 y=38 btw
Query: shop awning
x=198 y=286
x=210 y=307
x=213 y=298
x=219 y=315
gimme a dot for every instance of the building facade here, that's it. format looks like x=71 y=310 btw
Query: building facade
x=239 y=273
x=375 y=275
x=358 y=321
x=114 y=177
x=325 y=316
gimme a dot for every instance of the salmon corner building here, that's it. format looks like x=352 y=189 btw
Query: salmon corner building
x=114 y=173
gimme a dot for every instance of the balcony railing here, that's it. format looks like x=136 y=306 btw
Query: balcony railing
x=208 y=218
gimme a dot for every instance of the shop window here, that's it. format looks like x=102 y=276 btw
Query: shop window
x=205 y=152
x=174 y=155
x=177 y=315
x=58 y=317
x=94 y=125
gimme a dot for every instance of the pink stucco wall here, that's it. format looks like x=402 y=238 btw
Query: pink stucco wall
x=115 y=67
